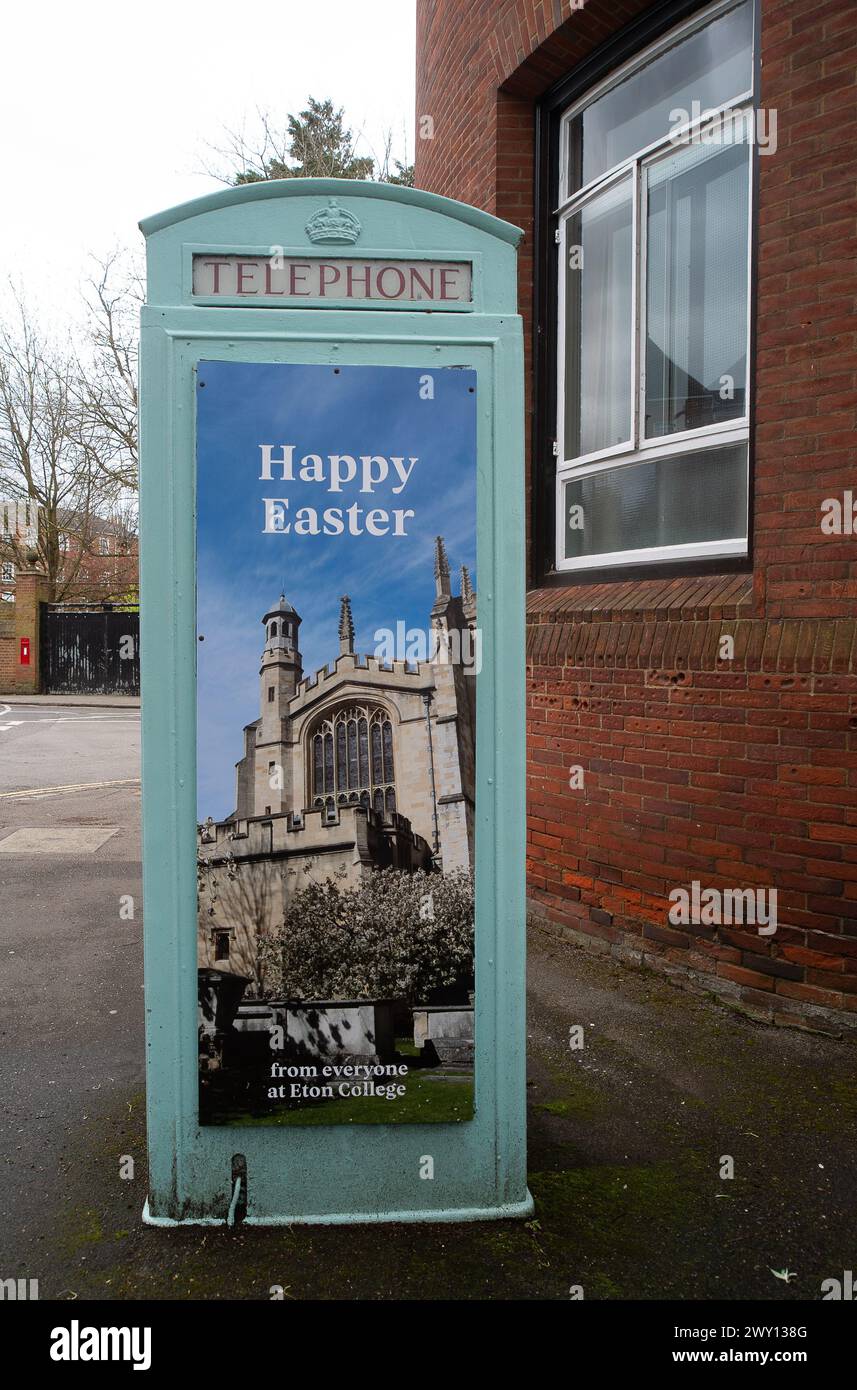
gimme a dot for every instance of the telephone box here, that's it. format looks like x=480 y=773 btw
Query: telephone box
x=333 y=719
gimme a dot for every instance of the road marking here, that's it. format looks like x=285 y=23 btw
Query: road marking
x=93 y=720
x=59 y=714
x=62 y=719
x=30 y=792
x=53 y=841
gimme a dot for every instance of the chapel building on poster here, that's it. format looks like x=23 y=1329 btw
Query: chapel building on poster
x=366 y=764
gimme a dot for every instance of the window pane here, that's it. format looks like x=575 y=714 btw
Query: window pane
x=341 y=764
x=598 y=332
x=328 y=762
x=352 y=753
x=696 y=288
x=681 y=500
x=710 y=67
x=377 y=765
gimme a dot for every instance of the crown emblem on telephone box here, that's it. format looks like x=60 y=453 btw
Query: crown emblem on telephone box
x=333 y=225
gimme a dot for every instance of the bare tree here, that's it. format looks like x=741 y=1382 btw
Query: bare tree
x=122 y=517
x=252 y=159
x=392 y=170
x=49 y=456
x=106 y=380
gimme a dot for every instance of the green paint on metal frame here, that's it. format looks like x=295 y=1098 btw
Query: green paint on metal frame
x=338 y=1173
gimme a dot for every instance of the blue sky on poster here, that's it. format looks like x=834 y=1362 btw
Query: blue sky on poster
x=107 y=110
x=241 y=571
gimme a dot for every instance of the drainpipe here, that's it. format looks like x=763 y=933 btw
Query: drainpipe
x=436 y=839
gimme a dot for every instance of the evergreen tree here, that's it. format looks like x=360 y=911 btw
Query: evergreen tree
x=404 y=175
x=314 y=145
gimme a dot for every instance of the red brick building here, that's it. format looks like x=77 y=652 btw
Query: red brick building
x=687 y=282
x=100 y=563
x=97 y=556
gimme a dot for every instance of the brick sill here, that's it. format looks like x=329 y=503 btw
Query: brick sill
x=704 y=597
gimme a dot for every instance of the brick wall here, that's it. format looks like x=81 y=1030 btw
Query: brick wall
x=7 y=652
x=733 y=773
x=22 y=622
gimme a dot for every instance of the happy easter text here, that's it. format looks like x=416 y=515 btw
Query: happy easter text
x=335 y=472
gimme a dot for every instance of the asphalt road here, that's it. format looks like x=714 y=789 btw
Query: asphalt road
x=71 y=998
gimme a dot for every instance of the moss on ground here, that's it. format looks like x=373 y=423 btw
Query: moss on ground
x=603 y=1225
x=604 y=1198
x=78 y=1228
x=575 y=1094
x=556 y=1107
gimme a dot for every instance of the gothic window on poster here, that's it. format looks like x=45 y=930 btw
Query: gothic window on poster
x=351 y=758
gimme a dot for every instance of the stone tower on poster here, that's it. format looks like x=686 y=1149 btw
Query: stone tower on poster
x=365 y=764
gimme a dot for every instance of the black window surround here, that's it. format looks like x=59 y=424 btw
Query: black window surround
x=550 y=110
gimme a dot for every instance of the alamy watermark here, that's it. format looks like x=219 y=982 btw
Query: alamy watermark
x=715 y=907
x=19 y=1290
x=840 y=1290
x=82 y=1343
x=726 y=127
x=839 y=518
x=438 y=646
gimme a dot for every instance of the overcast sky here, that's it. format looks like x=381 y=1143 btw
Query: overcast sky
x=106 y=109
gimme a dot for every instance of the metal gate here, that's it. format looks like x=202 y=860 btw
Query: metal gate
x=89 y=650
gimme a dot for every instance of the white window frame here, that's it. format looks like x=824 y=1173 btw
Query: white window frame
x=639 y=449
x=7 y=572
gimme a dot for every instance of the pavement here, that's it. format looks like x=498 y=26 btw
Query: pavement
x=629 y=1135
x=71 y=999
x=85 y=701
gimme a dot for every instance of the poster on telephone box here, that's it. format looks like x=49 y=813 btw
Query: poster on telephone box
x=338 y=656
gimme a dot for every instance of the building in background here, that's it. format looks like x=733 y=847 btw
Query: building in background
x=97 y=558
x=684 y=174
x=19 y=533
x=366 y=764
x=100 y=561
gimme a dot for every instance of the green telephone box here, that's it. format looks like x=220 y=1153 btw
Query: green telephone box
x=333 y=717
